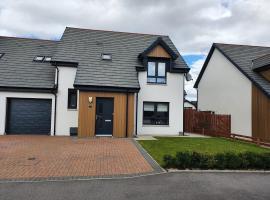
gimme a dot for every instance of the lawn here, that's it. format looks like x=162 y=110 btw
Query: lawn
x=168 y=145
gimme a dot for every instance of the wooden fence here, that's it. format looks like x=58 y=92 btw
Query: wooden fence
x=206 y=122
x=209 y=123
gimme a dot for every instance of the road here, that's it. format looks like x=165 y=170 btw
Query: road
x=203 y=186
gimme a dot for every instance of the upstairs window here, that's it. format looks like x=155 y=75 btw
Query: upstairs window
x=106 y=56
x=72 y=99
x=1 y=55
x=156 y=113
x=156 y=72
x=39 y=58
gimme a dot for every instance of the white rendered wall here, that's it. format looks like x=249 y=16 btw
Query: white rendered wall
x=65 y=118
x=172 y=92
x=189 y=105
x=3 y=100
x=225 y=90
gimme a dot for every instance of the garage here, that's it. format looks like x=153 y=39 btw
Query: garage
x=28 y=116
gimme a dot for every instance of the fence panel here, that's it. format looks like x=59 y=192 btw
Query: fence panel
x=206 y=122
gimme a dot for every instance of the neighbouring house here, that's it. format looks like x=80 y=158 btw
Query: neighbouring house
x=91 y=83
x=235 y=80
x=190 y=104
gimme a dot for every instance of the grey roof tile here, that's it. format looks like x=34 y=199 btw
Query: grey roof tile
x=85 y=47
x=261 y=62
x=17 y=68
x=242 y=56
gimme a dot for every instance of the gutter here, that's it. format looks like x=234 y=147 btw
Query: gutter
x=183 y=104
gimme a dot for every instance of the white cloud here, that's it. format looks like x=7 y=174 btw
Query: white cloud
x=194 y=71
x=192 y=24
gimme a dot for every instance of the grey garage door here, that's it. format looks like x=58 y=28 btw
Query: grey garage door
x=28 y=116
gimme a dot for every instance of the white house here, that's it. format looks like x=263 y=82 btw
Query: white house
x=91 y=83
x=234 y=80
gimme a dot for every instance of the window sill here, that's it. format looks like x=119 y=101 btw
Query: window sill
x=72 y=109
x=152 y=125
x=161 y=84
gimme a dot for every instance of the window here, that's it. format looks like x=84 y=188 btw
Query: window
x=47 y=59
x=156 y=113
x=38 y=58
x=1 y=55
x=72 y=98
x=156 y=72
x=106 y=56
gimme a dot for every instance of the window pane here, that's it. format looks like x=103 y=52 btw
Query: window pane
x=151 y=80
x=162 y=107
x=149 y=107
x=39 y=58
x=161 y=69
x=161 y=80
x=162 y=122
x=48 y=59
x=73 y=100
x=151 y=69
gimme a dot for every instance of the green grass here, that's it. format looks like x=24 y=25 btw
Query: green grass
x=167 y=145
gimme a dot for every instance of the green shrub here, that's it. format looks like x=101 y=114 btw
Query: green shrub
x=228 y=160
x=169 y=161
x=184 y=160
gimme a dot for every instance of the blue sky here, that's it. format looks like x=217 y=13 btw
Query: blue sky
x=193 y=25
x=192 y=58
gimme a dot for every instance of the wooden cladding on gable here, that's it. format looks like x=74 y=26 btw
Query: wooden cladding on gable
x=260 y=114
x=87 y=114
x=266 y=74
x=159 y=52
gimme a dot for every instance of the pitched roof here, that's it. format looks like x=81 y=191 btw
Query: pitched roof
x=261 y=63
x=241 y=56
x=17 y=68
x=85 y=46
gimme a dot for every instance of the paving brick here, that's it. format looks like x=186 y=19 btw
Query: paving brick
x=31 y=157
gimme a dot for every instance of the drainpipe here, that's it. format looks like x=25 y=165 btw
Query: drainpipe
x=55 y=100
x=136 y=123
x=183 y=104
x=127 y=115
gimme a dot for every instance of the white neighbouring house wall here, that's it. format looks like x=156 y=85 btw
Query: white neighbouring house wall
x=65 y=118
x=225 y=90
x=189 y=105
x=3 y=103
x=172 y=92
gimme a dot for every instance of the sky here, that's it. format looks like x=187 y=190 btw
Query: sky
x=193 y=25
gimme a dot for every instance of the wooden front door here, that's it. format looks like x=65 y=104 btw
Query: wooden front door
x=104 y=116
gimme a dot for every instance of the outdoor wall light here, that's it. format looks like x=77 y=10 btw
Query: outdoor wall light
x=90 y=102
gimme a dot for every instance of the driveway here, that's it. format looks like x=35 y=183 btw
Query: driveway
x=39 y=157
x=169 y=186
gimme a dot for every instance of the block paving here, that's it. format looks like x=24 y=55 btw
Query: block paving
x=37 y=157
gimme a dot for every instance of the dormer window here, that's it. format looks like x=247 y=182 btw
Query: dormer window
x=38 y=58
x=156 y=72
x=106 y=56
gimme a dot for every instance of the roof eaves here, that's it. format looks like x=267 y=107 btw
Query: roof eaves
x=159 y=41
x=205 y=65
x=237 y=66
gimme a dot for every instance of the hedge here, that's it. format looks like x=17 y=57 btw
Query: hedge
x=228 y=160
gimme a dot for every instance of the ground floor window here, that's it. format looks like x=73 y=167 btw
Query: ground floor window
x=72 y=98
x=156 y=113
